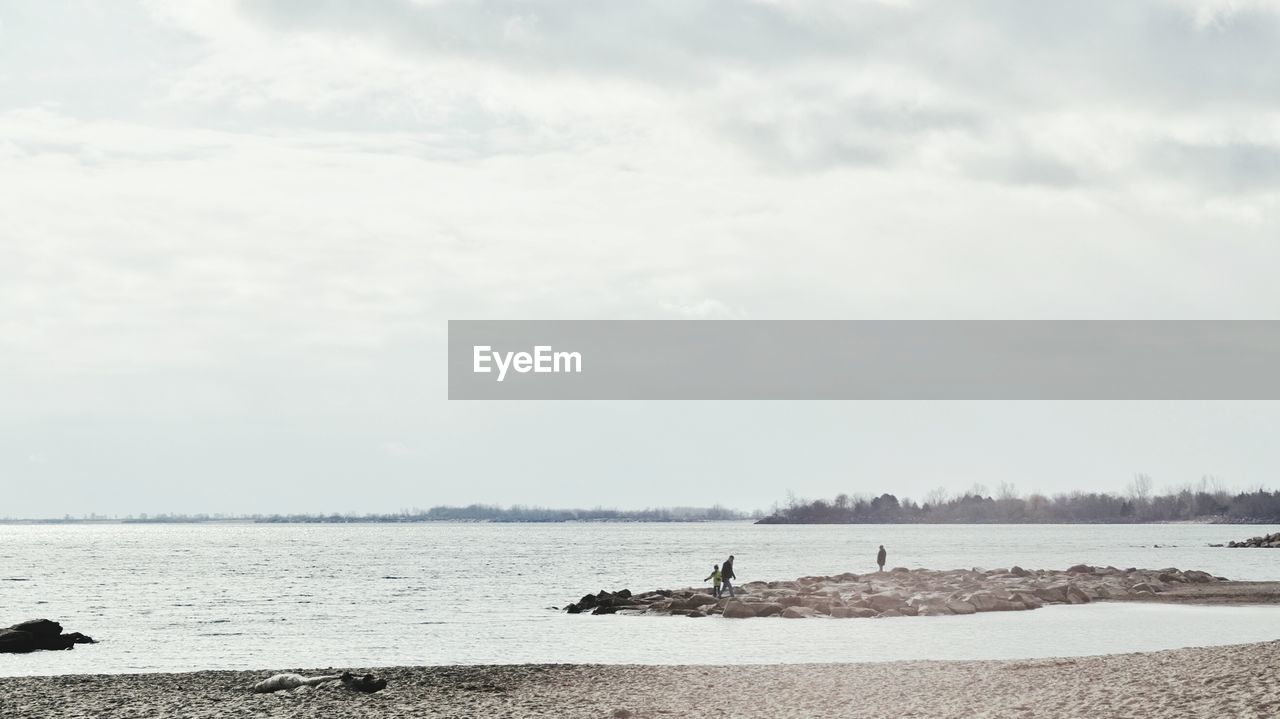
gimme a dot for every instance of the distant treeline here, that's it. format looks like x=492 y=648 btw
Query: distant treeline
x=1205 y=503
x=493 y=513
x=517 y=513
x=470 y=513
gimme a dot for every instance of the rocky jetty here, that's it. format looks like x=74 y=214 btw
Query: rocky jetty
x=38 y=634
x=1270 y=541
x=902 y=592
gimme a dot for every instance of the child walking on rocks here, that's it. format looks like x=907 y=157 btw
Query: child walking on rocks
x=715 y=581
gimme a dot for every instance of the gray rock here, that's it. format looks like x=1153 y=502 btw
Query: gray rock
x=798 y=613
x=1076 y=595
x=1053 y=594
x=883 y=602
x=770 y=610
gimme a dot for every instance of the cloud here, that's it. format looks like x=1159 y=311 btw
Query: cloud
x=1229 y=167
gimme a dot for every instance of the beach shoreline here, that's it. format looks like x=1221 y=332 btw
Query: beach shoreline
x=1235 y=680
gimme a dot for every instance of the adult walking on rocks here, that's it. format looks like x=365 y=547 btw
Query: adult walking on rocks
x=727 y=576
x=881 y=556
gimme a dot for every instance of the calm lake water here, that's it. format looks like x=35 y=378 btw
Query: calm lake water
x=245 y=596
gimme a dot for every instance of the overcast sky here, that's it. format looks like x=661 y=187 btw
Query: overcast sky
x=231 y=235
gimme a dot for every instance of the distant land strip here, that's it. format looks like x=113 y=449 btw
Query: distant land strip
x=1205 y=504
x=470 y=513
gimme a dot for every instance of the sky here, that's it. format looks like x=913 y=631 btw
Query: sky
x=232 y=234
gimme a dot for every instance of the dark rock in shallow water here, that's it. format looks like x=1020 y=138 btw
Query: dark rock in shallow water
x=43 y=628
x=608 y=602
x=38 y=634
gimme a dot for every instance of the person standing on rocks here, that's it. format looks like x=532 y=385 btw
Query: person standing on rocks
x=727 y=575
x=715 y=581
x=881 y=556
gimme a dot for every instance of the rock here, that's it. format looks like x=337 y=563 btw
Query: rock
x=982 y=601
x=367 y=683
x=1080 y=569
x=1144 y=588
x=1017 y=571
x=988 y=602
x=932 y=610
x=699 y=600
x=36 y=635
x=1197 y=576
x=958 y=606
x=798 y=612
x=1107 y=591
x=13 y=641
x=770 y=610
x=1054 y=593
x=39 y=628
x=883 y=602
x=1029 y=601
x=738 y=610
x=1075 y=595
x=1268 y=541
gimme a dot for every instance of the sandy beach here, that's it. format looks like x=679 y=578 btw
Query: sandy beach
x=1230 y=681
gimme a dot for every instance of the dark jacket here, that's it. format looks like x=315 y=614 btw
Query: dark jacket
x=726 y=570
x=881 y=557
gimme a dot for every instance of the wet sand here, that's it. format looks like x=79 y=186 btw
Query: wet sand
x=1230 y=681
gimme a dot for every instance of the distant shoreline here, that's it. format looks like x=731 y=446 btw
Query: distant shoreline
x=366 y=520
x=246 y=521
x=473 y=513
